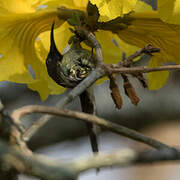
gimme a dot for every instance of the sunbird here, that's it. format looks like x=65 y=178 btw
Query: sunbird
x=70 y=69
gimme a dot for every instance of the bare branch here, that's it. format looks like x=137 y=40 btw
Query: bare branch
x=48 y=169
x=118 y=158
x=12 y=134
x=33 y=165
x=19 y=113
x=148 y=49
x=143 y=69
x=126 y=157
x=87 y=82
x=101 y=70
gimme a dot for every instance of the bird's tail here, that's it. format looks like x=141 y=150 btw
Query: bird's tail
x=88 y=106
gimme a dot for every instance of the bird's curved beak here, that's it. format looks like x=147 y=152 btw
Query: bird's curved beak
x=54 y=53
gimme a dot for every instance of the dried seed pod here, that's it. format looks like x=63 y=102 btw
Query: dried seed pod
x=115 y=93
x=130 y=91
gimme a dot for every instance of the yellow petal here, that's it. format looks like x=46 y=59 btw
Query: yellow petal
x=20 y=6
x=80 y=3
x=20 y=24
x=53 y=4
x=142 y=7
x=111 y=52
x=169 y=11
x=40 y=85
x=149 y=29
x=125 y=47
x=61 y=36
x=13 y=69
x=113 y=47
x=156 y=79
x=17 y=36
x=18 y=32
x=110 y=9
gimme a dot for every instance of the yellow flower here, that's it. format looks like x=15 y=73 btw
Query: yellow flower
x=20 y=24
x=154 y=27
x=147 y=27
x=24 y=46
x=25 y=35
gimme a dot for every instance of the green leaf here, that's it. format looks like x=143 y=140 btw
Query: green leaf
x=74 y=20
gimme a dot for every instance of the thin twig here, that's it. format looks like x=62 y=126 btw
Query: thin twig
x=143 y=69
x=19 y=113
x=148 y=49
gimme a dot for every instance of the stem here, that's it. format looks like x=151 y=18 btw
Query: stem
x=143 y=69
x=19 y=113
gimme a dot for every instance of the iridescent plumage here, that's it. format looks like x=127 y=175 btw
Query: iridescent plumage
x=70 y=68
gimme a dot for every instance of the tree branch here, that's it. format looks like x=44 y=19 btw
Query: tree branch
x=148 y=50
x=143 y=69
x=118 y=158
x=12 y=134
x=33 y=165
x=19 y=113
x=126 y=157
x=87 y=82
x=48 y=169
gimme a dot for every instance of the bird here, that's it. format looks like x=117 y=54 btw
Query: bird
x=68 y=70
x=71 y=68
